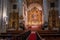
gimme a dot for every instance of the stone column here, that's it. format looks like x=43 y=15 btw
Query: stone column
x=20 y=9
x=59 y=14
x=45 y=6
x=45 y=12
x=0 y=15
x=20 y=6
x=4 y=12
x=59 y=7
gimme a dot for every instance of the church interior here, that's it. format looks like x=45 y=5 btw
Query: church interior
x=29 y=19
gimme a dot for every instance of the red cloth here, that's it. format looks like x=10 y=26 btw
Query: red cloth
x=32 y=36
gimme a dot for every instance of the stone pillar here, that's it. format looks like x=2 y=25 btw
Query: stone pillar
x=59 y=7
x=45 y=6
x=4 y=12
x=59 y=15
x=0 y=15
x=20 y=6
x=45 y=12
x=20 y=9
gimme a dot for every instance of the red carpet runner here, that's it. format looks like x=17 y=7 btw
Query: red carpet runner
x=32 y=36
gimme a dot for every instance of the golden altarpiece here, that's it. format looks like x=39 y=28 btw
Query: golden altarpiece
x=34 y=16
x=13 y=20
x=33 y=13
x=53 y=17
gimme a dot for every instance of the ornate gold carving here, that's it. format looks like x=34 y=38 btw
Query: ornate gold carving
x=53 y=19
x=13 y=20
x=34 y=16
